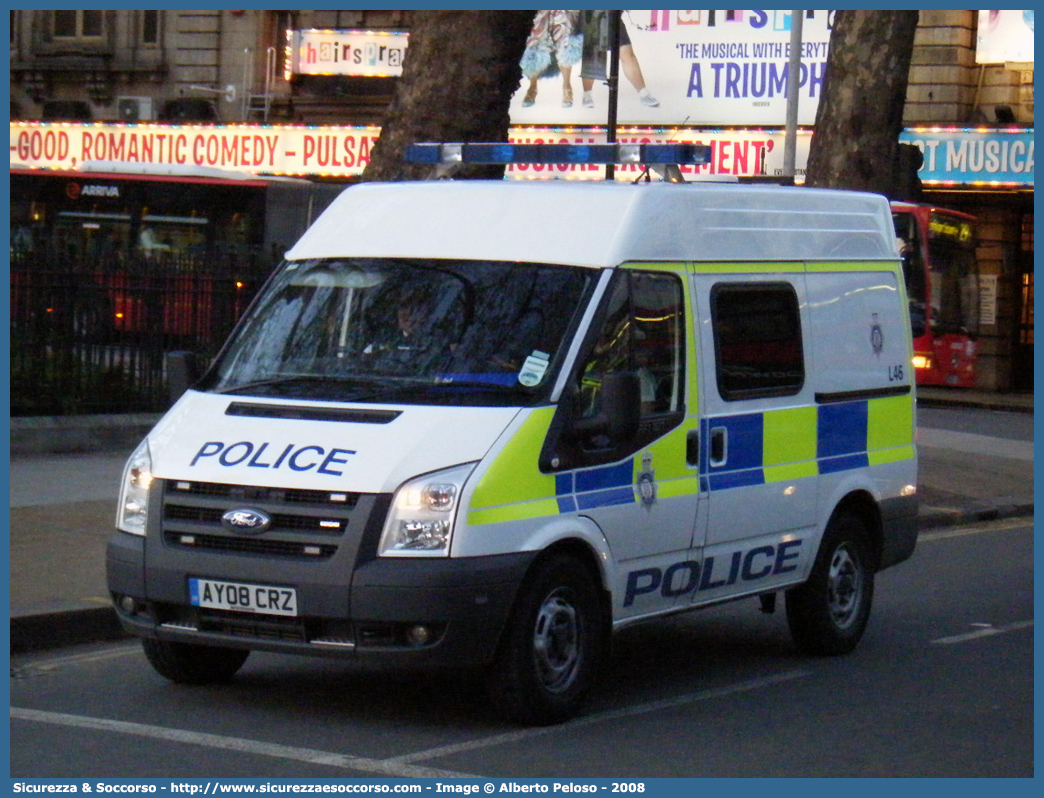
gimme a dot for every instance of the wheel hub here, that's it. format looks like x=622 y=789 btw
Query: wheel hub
x=556 y=643
x=844 y=587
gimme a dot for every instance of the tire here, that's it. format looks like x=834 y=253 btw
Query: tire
x=828 y=614
x=552 y=647
x=186 y=663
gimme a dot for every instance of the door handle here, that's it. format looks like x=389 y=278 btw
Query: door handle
x=719 y=446
x=692 y=447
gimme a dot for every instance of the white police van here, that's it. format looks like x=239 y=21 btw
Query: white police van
x=488 y=423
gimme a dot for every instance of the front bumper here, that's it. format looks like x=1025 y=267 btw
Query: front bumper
x=373 y=616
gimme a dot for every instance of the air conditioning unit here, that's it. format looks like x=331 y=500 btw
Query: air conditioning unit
x=134 y=109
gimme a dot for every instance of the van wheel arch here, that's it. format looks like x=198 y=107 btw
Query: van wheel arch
x=582 y=552
x=862 y=505
x=562 y=588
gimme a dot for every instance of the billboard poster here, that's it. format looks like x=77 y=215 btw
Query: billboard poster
x=1004 y=36
x=676 y=68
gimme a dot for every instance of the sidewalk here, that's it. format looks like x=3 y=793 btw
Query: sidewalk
x=63 y=508
x=957 y=397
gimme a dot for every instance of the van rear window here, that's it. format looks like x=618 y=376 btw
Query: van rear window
x=757 y=340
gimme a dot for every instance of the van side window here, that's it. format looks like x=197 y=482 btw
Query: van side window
x=642 y=332
x=757 y=340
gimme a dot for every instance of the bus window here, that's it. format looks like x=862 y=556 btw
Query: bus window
x=177 y=235
x=910 y=249
x=96 y=238
x=954 y=276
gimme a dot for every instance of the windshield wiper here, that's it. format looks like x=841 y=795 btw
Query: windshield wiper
x=369 y=388
x=291 y=381
x=486 y=385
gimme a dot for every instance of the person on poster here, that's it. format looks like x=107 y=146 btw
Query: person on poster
x=554 y=46
x=594 y=27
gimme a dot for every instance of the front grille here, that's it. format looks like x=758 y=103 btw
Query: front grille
x=329 y=635
x=305 y=524
x=284 y=629
x=278 y=548
x=212 y=516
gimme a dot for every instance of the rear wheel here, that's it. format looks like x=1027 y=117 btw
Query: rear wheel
x=828 y=613
x=187 y=663
x=552 y=646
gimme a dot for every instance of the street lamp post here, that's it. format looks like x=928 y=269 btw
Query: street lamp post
x=614 y=85
x=793 y=79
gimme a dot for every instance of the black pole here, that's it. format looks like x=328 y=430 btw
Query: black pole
x=614 y=85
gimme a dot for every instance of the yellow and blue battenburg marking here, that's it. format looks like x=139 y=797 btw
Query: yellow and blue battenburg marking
x=602 y=486
x=764 y=447
x=806 y=441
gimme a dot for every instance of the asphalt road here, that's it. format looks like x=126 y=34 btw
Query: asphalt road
x=975 y=421
x=942 y=685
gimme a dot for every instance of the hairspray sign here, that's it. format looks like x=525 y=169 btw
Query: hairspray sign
x=359 y=53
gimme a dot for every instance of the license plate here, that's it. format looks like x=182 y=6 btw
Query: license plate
x=261 y=599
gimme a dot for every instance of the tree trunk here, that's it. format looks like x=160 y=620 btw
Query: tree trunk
x=856 y=140
x=460 y=72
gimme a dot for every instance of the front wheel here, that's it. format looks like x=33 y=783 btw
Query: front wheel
x=828 y=613
x=186 y=663
x=552 y=646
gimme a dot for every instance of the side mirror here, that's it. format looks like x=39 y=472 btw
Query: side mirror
x=621 y=407
x=183 y=371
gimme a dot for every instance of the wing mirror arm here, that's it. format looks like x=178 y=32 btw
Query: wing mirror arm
x=183 y=371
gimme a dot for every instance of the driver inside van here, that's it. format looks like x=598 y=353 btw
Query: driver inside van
x=404 y=333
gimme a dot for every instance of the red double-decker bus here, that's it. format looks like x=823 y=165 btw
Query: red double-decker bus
x=155 y=249
x=942 y=282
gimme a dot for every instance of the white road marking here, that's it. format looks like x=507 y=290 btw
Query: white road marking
x=239 y=745
x=602 y=717
x=110 y=652
x=988 y=631
x=400 y=766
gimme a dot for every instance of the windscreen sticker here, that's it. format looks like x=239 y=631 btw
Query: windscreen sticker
x=534 y=368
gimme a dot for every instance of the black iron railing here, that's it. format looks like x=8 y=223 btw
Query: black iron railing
x=89 y=335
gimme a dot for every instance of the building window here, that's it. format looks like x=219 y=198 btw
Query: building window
x=77 y=24
x=150 y=27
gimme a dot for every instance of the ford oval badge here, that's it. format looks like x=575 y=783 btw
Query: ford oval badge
x=250 y=522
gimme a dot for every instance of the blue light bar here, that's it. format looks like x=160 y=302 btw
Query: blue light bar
x=503 y=153
x=424 y=153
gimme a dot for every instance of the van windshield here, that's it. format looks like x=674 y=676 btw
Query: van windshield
x=405 y=331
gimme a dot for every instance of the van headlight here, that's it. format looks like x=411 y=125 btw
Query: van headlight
x=420 y=521
x=134 y=492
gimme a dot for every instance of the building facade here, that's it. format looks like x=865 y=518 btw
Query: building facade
x=970 y=92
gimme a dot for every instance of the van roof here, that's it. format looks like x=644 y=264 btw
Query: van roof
x=600 y=224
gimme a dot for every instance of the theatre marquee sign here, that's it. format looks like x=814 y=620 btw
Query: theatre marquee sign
x=1003 y=157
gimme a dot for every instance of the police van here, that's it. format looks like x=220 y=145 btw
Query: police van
x=486 y=424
